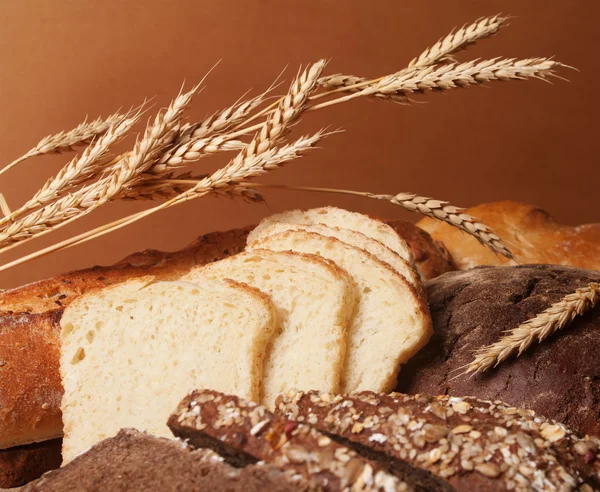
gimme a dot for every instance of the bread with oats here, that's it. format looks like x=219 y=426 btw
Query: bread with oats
x=120 y=344
x=244 y=432
x=471 y=443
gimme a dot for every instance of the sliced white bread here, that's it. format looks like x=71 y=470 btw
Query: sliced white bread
x=391 y=323
x=314 y=300
x=338 y=217
x=353 y=238
x=132 y=351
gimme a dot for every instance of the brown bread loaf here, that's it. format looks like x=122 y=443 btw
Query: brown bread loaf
x=531 y=234
x=22 y=464
x=133 y=461
x=245 y=432
x=558 y=378
x=473 y=444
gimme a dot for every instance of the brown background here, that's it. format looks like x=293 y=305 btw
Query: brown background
x=530 y=141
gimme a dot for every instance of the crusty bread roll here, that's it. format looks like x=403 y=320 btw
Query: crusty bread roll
x=314 y=300
x=530 y=233
x=391 y=322
x=130 y=352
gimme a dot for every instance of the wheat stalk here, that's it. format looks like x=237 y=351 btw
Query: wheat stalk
x=63 y=141
x=459 y=40
x=537 y=329
x=451 y=76
x=78 y=170
x=157 y=136
x=438 y=53
x=218 y=183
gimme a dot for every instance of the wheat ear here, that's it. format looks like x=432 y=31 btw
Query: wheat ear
x=537 y=329
x=82 y=134
x=78 y=170
x=459 y=40
x=445 y=77
x=219 y=184
x=157 y=136
x=438 y=53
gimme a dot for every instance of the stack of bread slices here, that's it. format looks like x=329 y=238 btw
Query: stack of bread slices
x=325 y=300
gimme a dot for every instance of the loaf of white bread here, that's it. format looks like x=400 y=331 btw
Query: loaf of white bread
x=299 y=309
x=120 y=344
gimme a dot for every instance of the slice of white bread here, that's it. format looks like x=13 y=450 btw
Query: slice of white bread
x=392 y=321
x=132 y=351
x=353 y=238
x=314 y=300
x=338 y=217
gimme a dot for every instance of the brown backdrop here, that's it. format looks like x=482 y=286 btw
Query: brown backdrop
x=530 y=141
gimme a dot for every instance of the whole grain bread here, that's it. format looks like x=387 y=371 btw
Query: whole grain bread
x=30 y=387
x=558 y=378
x=22 y=464
x=473 y=444
x=133 y=461
x=244 y=432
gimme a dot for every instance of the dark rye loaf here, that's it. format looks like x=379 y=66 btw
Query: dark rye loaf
x=245 y=432
x=559 y=378
x=133 y=461
x=473 y=444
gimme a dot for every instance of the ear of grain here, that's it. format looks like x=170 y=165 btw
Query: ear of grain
x=82 y=134
x=537 y=329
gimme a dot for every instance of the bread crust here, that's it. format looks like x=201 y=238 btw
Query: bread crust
x=530 y=233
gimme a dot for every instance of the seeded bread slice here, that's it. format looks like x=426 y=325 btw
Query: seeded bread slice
x=391 y=322
x=314 y=300
x=337 y=217
x=120 y=345
x=245 y=432
x=353 y=238
x=135 y=461
x=473 y=444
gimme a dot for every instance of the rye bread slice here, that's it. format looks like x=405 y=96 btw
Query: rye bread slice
x=245 y=432
x=473 y=444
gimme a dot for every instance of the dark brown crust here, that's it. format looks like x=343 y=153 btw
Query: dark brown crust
x=475 y=445
x=431 y=257
x=133 y=461
x=559 y=378
x=22 y=464
x=245 y=431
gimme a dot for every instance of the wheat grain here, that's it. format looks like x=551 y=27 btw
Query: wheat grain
x=459 y=40
x=537 y=329
x=451 y=76
x=438 y=53
x=78 y=170
x=219 y=183
x=157 y=136
x=63 y=141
